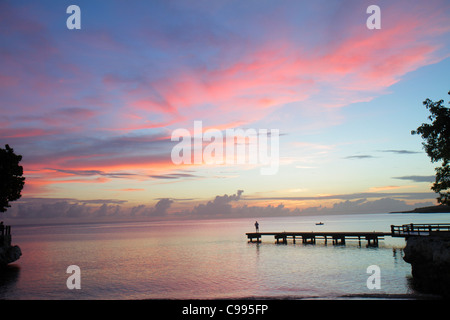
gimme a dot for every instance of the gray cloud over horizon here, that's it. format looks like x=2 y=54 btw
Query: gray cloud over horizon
x=363 y=156
x=353 y=196
x=221 y=206
x=417 y=178
x=401 y=151
x=368 y=156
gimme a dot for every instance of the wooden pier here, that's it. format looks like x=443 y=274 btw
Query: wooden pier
x=403 y=231
x=310 y=237
x=420 y=230
x=5 y=235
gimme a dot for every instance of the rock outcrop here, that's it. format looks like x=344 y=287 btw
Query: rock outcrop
x=430 y=263
x=9 y=254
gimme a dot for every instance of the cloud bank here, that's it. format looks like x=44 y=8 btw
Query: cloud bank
x=222 y=206
x=417 y=178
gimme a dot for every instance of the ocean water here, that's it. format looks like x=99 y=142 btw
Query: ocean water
x=207 y=259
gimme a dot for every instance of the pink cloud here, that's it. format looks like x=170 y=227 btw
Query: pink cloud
x=149 y=105
x=241 y=92
x=236 y=88
x=276 y=73
x=12 y=133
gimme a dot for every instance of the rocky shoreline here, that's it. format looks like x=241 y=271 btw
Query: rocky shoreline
x=8 y=252
x=430 y=263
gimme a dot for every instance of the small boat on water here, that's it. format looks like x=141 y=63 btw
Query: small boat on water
x=319 y=224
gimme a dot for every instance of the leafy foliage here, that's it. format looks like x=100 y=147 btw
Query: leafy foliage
x=437 y=145
x=11 y=179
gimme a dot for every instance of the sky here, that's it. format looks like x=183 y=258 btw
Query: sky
x=94 y=111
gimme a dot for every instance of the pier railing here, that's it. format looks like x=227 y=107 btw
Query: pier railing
x=5 y=234
x=408 y=230
x=5 y=230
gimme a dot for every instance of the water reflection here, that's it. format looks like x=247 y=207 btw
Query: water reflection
x=204 y=259
x=397 y=254
x=9 y=275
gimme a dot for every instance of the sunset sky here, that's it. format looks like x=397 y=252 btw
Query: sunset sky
x=92 y=111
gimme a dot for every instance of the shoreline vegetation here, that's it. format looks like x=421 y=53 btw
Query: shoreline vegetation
x=442 y=208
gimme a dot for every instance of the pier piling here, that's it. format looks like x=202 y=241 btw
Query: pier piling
x=338 y=238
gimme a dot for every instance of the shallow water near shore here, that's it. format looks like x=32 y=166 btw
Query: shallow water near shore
x=209 y=259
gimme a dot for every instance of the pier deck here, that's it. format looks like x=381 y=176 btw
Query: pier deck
x=310 y=237
x=403 y=231
x=418 y=230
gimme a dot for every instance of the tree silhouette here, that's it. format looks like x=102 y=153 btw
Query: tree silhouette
x=437 y=145
x=11 y=179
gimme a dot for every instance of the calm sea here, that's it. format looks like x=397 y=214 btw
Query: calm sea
x=207 y=259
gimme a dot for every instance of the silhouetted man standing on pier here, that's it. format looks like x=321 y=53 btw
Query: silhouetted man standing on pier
x=257 y=226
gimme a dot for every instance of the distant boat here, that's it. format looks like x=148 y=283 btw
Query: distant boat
x=319 y=224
